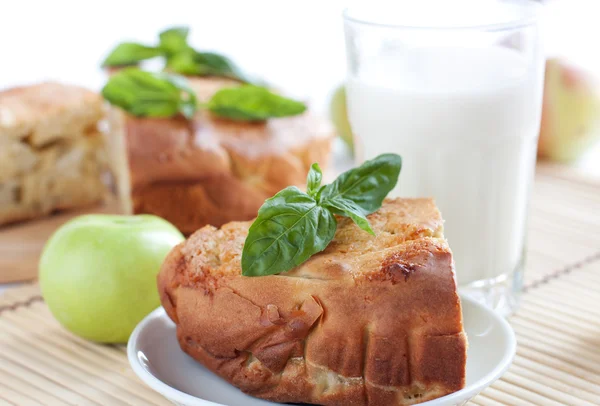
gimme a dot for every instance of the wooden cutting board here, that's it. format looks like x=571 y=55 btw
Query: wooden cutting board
x=21 y=244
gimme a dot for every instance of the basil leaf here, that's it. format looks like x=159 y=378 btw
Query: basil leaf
x=191 y=62
x=212 y=64
x=289 y=229
x=183 y=63
x=174 y=40
x=130 y=53
x=350 y=209
x=252 y=103
x=313 y=180
x=366 y=185
x=149 y=94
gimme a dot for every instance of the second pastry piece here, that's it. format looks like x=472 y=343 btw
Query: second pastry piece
x=211 y=169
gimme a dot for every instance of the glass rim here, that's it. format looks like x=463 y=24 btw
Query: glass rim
x=528 y=18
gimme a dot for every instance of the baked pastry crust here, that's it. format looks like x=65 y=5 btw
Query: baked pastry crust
x=48 y=111
x=369 y=321
x=210 y=170
x=51 y=150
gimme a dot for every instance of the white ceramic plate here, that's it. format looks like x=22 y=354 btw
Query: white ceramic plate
x=155 y=356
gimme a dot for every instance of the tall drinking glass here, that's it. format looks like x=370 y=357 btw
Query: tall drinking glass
x=456 y=89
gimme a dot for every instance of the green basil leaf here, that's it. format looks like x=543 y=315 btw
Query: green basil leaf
x=149 y=94
x=313 y=180
x=289 y=229
x=366 y=185
x=252 y=103
x=183 y=63
x=212 y=64
x=130 y=53
x=191 y=62
x=350 y=209
x=174 y=40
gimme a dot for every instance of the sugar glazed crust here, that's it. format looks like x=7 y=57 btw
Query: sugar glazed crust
x=369 y=321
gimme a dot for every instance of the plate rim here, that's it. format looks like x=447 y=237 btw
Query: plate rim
x=467 y=392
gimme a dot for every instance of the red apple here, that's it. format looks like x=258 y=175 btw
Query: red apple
x=570 y=114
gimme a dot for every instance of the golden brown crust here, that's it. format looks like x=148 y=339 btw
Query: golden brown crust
x=215 y=200
x=369 y=321
x=48 y=112
x=251 y=161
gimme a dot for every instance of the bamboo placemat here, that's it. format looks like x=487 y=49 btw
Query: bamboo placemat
x=558 y=325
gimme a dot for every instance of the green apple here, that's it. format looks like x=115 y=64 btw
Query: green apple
x=570 y=113
x=338 y=112
x=98 y=272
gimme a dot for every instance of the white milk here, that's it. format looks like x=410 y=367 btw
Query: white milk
x=466 y=122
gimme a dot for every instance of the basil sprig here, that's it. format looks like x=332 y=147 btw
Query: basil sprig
x=193 y=63
x=252 y=103
x=292 y=225
x=183 y=59
x=150 y=94
x=178 y=55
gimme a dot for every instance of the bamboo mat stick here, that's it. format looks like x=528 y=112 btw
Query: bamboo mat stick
x=22 y=387
x=548 y=319
x=561 y=352
x=6 y=403
x=582 y=314
x=575 y=392
x=522 y=363
x=543 y=389
x=541 y=332
x=17 y=398
x=524 y=395
x=82 y=361
x=484 y=401
x=585 y=298
x=58 y=372
x=504 y=397
x=23 y=316
x=44 y=383
x=549 y=362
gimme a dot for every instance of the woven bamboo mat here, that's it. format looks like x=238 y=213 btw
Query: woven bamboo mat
x=558 y=325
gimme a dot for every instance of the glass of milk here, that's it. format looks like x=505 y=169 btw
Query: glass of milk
x=455 y=88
